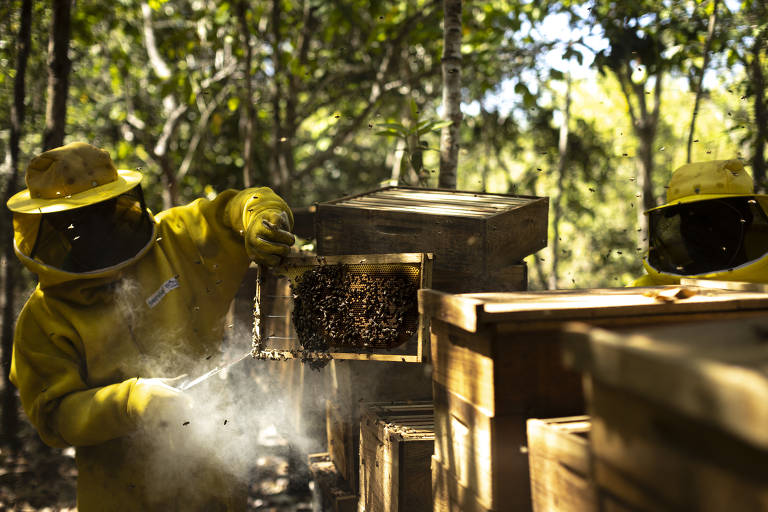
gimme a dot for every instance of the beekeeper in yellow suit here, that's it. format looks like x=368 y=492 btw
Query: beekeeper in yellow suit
x=713 y=226
x=125 y=300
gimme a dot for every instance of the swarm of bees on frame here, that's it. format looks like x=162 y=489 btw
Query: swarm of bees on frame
x=334 y=307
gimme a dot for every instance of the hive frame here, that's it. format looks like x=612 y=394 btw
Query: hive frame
x=262 y=350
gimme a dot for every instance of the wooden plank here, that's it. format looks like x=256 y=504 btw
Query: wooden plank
x=653 y=458
x=396 y=443
x=485 y=454
x=341 y=433
x=334 y=494
x=560 y=465
x=505 y=374
x=717 y=369
x=584 y=305
x=449 y=495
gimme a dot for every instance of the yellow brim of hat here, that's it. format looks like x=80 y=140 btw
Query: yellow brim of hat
x=763 y=198
x=126 y=180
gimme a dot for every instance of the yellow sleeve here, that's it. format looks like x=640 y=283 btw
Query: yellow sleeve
x=46 y=368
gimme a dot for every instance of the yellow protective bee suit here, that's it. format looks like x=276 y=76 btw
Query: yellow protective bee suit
x=702 y=184
x=83 y=340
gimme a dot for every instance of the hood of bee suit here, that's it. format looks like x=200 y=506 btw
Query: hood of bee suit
x=64 y=181
x=26 y=228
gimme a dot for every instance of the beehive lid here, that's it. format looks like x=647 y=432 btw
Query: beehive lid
x=434 y=202
x=714 y=372
x=543 y=309
x=411 y=421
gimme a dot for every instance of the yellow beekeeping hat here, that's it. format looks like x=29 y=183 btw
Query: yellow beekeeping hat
x=702 y=181
x=69 y=177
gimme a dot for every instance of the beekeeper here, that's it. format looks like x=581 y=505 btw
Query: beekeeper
x=713 y=226
x=126 y=299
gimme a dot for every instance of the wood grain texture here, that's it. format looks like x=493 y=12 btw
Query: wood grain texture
x=396 y=444
x=471 y=311
x=484 y=454
x=717 y=369
x=561 y=465
x=471 y=235
x=449 y=495
x=652 y=458
x=335 y=495
x=500 y=374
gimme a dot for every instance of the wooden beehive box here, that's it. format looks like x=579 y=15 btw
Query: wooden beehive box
x=449 y=495
x=396 y=445
x=479 y=240
x=331 y=490
x=679 y=413
x=496 y=363
x=560 y=465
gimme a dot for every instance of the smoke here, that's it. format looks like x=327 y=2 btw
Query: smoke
x=230 y=421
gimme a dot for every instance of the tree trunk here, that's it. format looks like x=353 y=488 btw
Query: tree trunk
x=451 y=64
x=10 y=263
x=249 y=110
x=557 y=209
x=700 y=84
x=761 y=115
x=59 y=66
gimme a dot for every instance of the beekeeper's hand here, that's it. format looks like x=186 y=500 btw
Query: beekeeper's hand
x=268 y=238
x=158 y=403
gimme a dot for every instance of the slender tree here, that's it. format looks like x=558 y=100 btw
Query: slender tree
x=557 y=206
x=249 y=112
x=59 y=66
x=451 y=65
x=761 y=111
x=10 y=264
x=700 y=80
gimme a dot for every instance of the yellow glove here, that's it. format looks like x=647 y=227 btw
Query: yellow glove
x=156 y=403
x=268 y=222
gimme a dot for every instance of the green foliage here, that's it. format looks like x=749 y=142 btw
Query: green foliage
x=335 y=85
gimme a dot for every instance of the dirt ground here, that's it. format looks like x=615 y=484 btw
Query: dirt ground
x=43 y=479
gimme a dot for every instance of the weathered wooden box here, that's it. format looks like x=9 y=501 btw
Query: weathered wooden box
x=496 y=363
x=396 y=445
x=449 y=495
x=331 y=490
x=561 y=465
x=356 y=383
x=479 y=240
x=679 y=413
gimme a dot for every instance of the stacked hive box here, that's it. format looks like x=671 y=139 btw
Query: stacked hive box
x=678 y=414
x=396 y=445
x=560 y=464
x=496 y=360
x=478 y=242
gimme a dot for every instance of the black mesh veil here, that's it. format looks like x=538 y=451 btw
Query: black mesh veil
x=95 y=236
x=707 y=236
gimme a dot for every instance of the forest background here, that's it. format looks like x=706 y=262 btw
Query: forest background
x=590 y=103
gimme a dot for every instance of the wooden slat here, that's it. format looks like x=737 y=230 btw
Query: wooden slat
x=470 y=311
x=370 y=204
x=653 y=458
x=335 y=495
x=560 y=465
x=718 y=370
x=394 y=466
x=448 y=195
x=450 y=202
